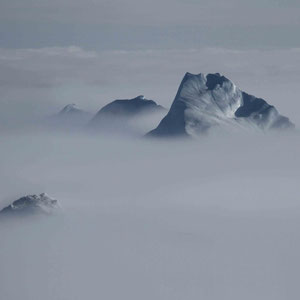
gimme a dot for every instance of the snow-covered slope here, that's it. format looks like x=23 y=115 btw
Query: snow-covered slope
x=128 y=116
x=209 y=103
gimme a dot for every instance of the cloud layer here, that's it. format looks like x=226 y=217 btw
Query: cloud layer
x=41 y=81
x=214 y=218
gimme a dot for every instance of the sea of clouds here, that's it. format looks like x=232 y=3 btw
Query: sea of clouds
x=215 y=218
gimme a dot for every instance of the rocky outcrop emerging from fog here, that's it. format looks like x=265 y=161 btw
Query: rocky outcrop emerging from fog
x=70 y=117
x=127 y=116
x=212 y=103
x=32 y=204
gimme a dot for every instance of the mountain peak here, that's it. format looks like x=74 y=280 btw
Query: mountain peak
x=211 y=102
x=31 y=204
x=70 y=108
x=123 y=115
x=123 y=107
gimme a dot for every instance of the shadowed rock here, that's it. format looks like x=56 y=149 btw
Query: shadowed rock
x=127 y=116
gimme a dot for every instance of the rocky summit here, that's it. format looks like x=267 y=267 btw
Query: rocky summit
x=212 y=103
x=32 y=204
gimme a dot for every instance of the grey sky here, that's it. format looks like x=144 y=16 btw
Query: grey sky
x=134 y=24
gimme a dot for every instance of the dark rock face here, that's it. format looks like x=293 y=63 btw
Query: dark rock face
x=120 y=115
x=205 y=104
x=259 y=110
x=32 y=204
x=129 y=107
x=213 y=80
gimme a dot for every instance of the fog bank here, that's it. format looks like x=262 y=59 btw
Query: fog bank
x=215 y=218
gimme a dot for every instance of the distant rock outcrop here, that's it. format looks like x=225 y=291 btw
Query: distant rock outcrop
x=211 y=103
x=128 y=116
x=70 y=109
x=32 y=204
x=70 y=117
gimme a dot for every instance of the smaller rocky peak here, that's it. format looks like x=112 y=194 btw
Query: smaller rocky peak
x=41 y=203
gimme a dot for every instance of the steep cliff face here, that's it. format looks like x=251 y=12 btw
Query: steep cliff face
x=207 y=103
